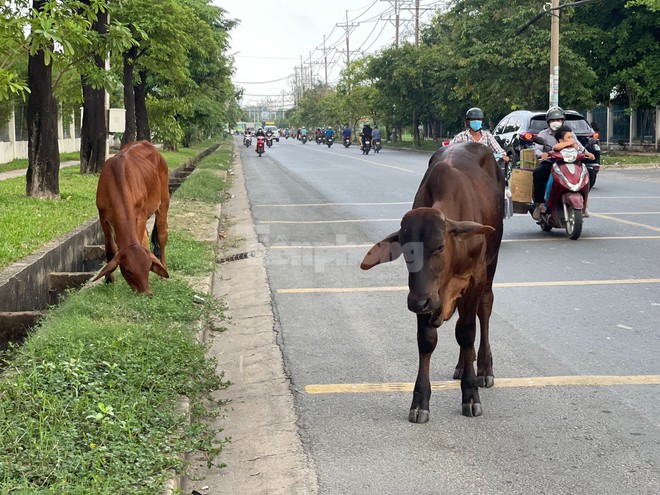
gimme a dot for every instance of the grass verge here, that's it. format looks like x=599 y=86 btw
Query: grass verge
x=87 y=404
x=27 y=223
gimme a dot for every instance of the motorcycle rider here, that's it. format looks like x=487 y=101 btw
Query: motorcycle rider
x=346 y=133
x=260 y=132
x=474 y=119
x=329 y=133
x=366 y=134
x=555 y=118
x=376 y=133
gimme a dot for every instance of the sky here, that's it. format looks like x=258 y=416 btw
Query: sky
x=273 y=36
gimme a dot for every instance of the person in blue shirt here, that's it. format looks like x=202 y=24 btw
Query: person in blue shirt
x=329 y=133
x=347 y=132
x=375 y=134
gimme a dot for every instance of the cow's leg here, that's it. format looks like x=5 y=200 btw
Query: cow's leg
x=141 y=229
x=161 y=232
x=109 y=249
x=466 y=330
x=427 y=338
x=458 y=371
x=485 y=377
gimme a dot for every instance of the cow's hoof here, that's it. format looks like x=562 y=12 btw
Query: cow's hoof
x=418 y=416
x=471 y=410
x=458 y=373
x=485 y=381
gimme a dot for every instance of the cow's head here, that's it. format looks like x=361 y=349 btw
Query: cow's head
x=442 y=256
x=135 y=263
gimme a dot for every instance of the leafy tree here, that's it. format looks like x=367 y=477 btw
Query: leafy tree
x=622 y=43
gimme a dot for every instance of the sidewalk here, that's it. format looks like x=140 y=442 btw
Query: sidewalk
x=17 y=173
x=265 y=455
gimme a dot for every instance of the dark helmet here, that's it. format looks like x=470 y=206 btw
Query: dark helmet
x=474 y=113
x=555 y=113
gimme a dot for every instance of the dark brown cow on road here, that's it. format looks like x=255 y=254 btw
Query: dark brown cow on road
x=132 y=187
x=450 y=241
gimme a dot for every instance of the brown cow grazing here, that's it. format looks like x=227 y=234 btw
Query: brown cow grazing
x=132 y=187
x=450 y=241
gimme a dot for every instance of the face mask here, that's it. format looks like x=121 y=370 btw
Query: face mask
x=555 y=125
x=475 y=125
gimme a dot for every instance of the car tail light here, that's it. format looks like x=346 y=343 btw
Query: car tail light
x=446 y=143
x=527 y=136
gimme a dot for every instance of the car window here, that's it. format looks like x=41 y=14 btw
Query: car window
x=579 y=126
x=501 y=126
x=537 y=124
x=513 y=124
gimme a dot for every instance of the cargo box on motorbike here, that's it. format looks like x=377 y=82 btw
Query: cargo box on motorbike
x=528 y=159
x=522 y=189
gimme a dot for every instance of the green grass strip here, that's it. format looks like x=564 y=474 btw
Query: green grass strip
x=87 y=403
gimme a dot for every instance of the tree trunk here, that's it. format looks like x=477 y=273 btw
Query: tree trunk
x=130 y=133
x=142 y=118
x=43 y=148
x=416 y=140
x=94 y=131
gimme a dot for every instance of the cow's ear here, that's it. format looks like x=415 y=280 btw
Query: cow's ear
x=109 y=268
x=386 y=250
x=157 y=267
x=467 y=229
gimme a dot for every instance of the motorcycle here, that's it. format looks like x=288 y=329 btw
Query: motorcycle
x=347 y=142
x=566 y=192
x=269 y=140
x=329 y=141
x=366 y=147
x=319 y=140
x=261 y=140
x=303 y=139
x=247 y=141
x=377 y=145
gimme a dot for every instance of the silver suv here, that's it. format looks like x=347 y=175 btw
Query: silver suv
x=274 y=130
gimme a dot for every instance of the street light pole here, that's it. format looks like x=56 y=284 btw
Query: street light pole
x=554 y=54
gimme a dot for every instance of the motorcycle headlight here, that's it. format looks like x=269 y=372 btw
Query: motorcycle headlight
x=569 y=154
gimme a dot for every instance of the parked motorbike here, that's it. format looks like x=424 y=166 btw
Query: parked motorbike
x=377 y=145
x=366 y=147
x=566 y=192
x=261 y=141
x=247 y=141
x=329 y=141
x=347 y=142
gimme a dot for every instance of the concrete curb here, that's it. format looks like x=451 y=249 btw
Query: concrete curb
x=265 y=454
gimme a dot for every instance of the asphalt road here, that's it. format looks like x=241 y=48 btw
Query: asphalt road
x=575 y=335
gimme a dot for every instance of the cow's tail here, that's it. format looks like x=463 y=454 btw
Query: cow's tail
x=155 y=245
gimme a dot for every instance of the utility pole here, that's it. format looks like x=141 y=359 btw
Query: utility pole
x=348 y=28
x=347 y=48
x=554 y=54
x=417 y=23
x=325 y=59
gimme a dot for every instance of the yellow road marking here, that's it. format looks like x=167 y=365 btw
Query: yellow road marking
x=332 y=204
x=542 y=381
x=557 y=283
x=626 y=222
x=361 y=220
